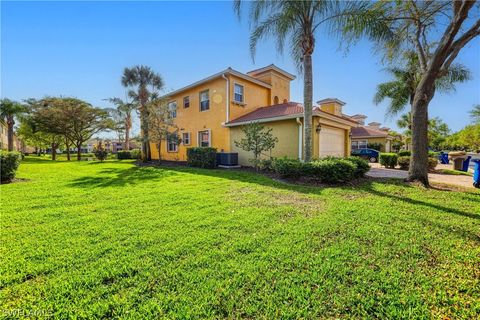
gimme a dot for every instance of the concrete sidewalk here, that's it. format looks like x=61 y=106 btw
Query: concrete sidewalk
x=378 y=171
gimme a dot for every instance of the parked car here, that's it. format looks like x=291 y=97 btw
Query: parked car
x=368 y=154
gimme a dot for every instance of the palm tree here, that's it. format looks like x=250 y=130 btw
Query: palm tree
x=147 y=83
x=297 y=22
x=123 y=111
x=401 y=90
x=475 y=114
x=8 y=111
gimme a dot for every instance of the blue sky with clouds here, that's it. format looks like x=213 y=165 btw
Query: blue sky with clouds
x=80 y=49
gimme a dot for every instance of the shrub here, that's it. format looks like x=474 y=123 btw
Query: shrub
x=132 y=154
x=433 y=154
x=9 y=162
x=432 y=163
x=101 y=154
x=331 y=170
x=388 y=160
x=201 y=157
x=265 y=164
x=362 y=166
x=404 y=162
x=404 y=153
x=288 y=168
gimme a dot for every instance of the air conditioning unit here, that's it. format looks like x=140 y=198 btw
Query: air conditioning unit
x=227 y=159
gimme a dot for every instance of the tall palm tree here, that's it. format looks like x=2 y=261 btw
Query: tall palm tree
x=9 y=110
x=401 y=90
x=124 y=112
x=147 y=84
x=297 y=23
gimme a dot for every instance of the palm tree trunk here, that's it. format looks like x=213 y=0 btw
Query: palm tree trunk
x=146 y=155
x=418 y=170
x=159 y=148
x=10 y=124
x=307 y=106
x=127 y=138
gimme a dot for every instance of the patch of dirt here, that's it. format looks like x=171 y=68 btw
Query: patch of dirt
x=16 y=180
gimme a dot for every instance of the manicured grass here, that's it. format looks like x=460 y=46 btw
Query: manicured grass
x=111 y=240
x=454 y=172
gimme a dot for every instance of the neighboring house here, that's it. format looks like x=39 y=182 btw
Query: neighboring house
x=18 y=144
x=363 y=135
x=212 y=111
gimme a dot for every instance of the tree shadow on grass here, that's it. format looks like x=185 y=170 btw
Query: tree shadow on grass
x=120 y=177
x=369 y=185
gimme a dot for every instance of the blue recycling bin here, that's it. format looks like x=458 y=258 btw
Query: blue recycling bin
x=466 y=163
x=443 y=157
x=476 y=173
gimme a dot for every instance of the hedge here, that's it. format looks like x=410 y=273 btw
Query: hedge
x=288 y=168
x=388 y=160
x=404 y=153
x=327 y=170
x=404 y=163
x=202 y=157
x=362 y=166
x=9 y=162
x=331 y=170
x=132 y=154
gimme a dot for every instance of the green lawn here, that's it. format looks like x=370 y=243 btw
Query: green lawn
x=111 y=240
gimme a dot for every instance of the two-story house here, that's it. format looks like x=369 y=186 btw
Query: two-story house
x=212 y=111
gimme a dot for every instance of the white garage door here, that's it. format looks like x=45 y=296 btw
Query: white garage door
x=332 y=142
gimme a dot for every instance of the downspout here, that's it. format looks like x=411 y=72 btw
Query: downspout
x=227 y=93
x=300 y=140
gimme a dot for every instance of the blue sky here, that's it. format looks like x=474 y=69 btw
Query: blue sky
x=80 y=49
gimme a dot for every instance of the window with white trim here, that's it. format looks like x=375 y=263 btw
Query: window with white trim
x=172 y=109
x=172 y=143
x=204 y=138
x=204 y=101
x=186 y=138
x=238 y=92
x=359 y=144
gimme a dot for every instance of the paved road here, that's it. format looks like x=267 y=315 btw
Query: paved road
x=377 y=171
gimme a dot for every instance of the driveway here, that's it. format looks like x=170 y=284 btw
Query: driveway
x=378 y=171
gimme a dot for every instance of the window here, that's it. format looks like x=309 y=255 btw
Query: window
x=204 y=101
x=186 y=102
x=172 y=143
x=360 y=144
x=238 y=92
x=172 y=109
x=275 y=100
x=204 y=138
x=186 y=138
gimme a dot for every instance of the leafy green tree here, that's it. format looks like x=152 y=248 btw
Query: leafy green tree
x=436 y=31
x=161 y=124
x=9 y=110
x=298 y=24
x=144 y=86
x=122 y=115
x=466 y=139
x=257 y=140
x=475 y=114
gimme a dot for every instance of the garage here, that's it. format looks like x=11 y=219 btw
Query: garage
x=332 y=142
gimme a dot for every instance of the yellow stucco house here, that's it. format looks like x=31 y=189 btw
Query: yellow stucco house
x=372 y=133
x=212 y=111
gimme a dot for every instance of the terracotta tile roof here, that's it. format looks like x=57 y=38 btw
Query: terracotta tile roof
x=364 y=132
x=277 y=110
x=282 y=110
